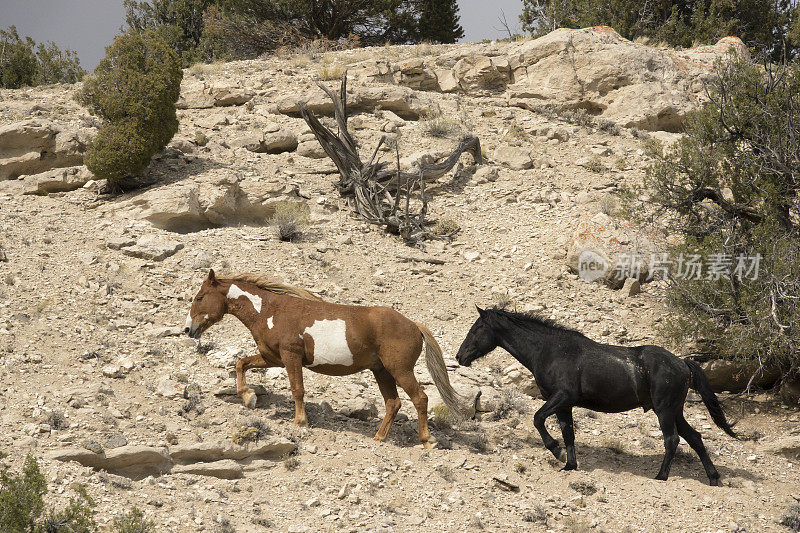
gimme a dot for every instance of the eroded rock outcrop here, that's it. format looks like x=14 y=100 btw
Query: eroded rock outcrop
x=207 y=201
x=592 y=68
x=33 y=146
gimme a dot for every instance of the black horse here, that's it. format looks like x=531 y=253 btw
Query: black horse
x=573 y=370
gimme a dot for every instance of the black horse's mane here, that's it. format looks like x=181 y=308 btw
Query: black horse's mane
x=529 y=318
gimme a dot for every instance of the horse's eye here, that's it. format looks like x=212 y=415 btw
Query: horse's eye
x=198 y=298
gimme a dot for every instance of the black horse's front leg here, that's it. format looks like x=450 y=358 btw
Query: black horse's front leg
x=556 y=402
x=568 y=432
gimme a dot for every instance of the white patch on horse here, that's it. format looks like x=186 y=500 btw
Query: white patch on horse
x=189 y=319
x=269 y=323
x=235 y=292
x=330 y=343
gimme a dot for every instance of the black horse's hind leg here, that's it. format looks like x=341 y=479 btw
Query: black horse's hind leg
x=694 y=439
x=551 y=406
x=568 y=432
x=666 y=420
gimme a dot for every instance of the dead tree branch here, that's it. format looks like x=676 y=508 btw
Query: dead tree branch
x=375 y=192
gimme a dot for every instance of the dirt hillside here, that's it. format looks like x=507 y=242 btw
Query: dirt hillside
x=97 y=381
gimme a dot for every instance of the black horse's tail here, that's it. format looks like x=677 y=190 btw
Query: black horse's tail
x=701 y=384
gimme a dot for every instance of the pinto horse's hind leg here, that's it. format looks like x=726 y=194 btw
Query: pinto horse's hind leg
x=556 y=402
x=418 y=397
x=694 y=439
x=568 y=432
x=245 y=393
x=388 y=388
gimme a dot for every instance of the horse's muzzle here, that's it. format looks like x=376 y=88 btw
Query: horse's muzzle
x=193 y=332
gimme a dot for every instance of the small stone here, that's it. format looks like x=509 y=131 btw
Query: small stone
x=471 y=255
x=153 y=248
x=360 y=408
x=169 y=388
x=93 y=446
x=631 y=287
x=485 y=174
x=115 y=440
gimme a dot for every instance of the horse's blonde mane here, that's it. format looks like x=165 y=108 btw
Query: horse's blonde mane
x=270 y=285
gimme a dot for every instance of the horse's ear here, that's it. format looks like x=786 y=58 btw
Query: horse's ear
x=211 y=276
x=481 y=312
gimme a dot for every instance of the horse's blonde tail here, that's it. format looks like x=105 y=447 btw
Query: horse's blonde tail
x=460 y=406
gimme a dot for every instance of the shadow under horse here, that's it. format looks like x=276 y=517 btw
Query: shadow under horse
x=572 y=370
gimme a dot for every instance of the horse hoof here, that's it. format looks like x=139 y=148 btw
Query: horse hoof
x=302 y=423
x=714 y=482
x=427 y=445
x=661 y=477
x=249 y=398
x=569 y=467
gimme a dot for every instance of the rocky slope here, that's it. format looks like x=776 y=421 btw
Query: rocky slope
x=97 y=382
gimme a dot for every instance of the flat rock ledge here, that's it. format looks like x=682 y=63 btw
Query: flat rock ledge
x=220 y=459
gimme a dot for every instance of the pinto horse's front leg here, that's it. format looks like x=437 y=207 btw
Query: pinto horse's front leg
x=245 y=393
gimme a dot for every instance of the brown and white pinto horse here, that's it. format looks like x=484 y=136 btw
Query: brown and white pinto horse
x=294 y=329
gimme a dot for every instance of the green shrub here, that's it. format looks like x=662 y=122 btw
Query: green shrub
x=23 y=63
x=445 y=227
x=134 y=522
x=443 y=417
x=22 y=504
x=762 y=25
x=792 y=518
x=596 y=165
x=21 y=501
x=289 y=219
x=437 y=124
x=179 y=22
x=134 y=90
x=730 y=188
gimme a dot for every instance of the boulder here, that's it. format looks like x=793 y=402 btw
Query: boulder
x=130 y=461
x=477 y=75
x=609 y=251
x=249 y=141
x=279 y=141
x=514 y=158
x=57 y=180
x=406 y=103
x=224 y=95
x=414 y=74
x=485 y=174
x=224 y=469
x=209 y=451
x=595 y=69
x=271 y=143
x=360 y=408
x=32 y=147
x=733 y=376
x=196 y=94
x=153 y=248
x=210 y=200
x=311 y=149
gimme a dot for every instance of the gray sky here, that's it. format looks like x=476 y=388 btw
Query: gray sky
x=87 y=26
